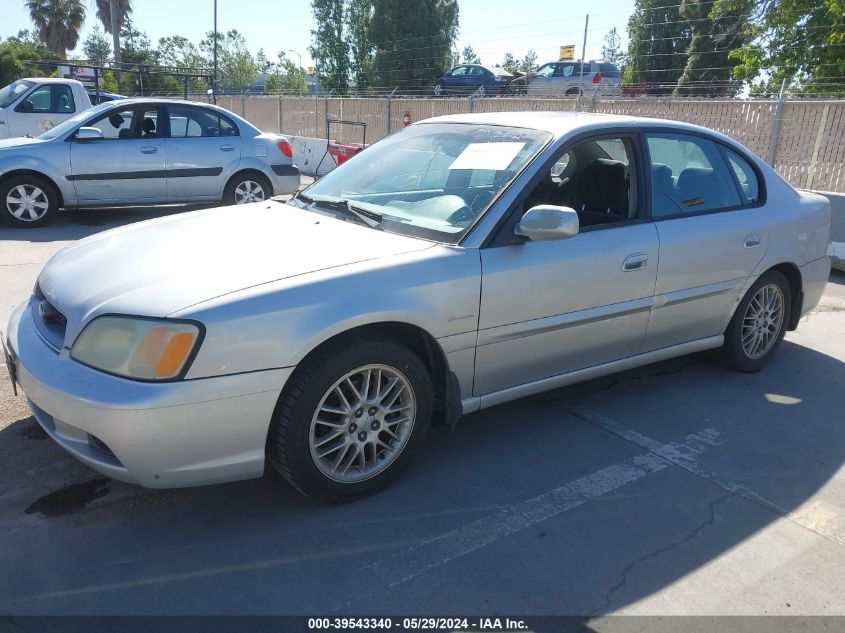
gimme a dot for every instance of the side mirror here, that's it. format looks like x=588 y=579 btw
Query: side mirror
x=548 y=222
x=84 y=134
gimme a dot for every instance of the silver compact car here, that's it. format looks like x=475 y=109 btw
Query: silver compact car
x=458 y=264
x=142 y=152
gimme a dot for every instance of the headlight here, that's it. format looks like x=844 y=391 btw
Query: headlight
x=133 y=347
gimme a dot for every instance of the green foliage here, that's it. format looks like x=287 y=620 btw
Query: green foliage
x=58 y=23
x=104 y=13
x=109 y=83
x=525 y=65
x=18 y=48
x=469 y=56
x=179 y=52
x=412 y=41
x=796 y=43
x=236 y=67
x=658 y=42
x=611 y=48
x=329 y=47
x=359 y=13
x=97 y=47
x=715 y=34
x=285 y=78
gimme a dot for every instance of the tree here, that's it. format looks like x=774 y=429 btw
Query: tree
x=715 y=34
x=358 y=16
x=286 y=78
x=96 y=47
x=58 y=23
x=658 y=42
x=521 y=66
x=329 y=48
x=468 y=56
x=412 y=41
x=17 y=49
x=236 y=65
x=180 y=52
x=114 y=14
x=799 y=42
x=611 y=48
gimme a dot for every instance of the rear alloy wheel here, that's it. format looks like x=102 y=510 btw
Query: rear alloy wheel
x=351 y=419
x=28 y=201
x=247 y=188
x=759 y=324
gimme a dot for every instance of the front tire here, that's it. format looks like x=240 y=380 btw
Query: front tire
x=247 y=187
x=27 y=201
x=759 y=324
x=351 y=419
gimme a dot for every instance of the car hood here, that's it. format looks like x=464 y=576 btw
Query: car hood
x=158 y=267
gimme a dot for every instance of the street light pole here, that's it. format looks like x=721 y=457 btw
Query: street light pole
x=214 y=75
x=290 y=50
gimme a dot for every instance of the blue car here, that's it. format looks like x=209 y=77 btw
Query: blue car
x=473 y=79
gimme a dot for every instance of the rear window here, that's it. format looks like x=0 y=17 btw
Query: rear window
x=610 y=70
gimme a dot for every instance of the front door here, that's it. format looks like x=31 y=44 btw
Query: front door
x=203 y=146
x=712 y=231
x=127 y=164
x=548 y=308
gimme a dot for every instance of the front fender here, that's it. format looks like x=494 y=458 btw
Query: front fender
x=51 y=161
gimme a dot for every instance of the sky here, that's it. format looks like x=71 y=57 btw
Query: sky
x=491 y=27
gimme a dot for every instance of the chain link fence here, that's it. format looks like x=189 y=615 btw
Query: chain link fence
x=803 y=140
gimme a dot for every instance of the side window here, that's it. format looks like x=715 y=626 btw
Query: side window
x=688 y=175
x=596 y=178
x=546 y=71
x=50 y=98
x=190 y=122
x=460 y=71
x=745 y=175
x=127 y=124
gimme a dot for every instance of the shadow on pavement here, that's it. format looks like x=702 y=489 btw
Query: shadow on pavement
x=257 y=547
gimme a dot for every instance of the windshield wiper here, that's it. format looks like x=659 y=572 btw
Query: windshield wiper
x=367 y=218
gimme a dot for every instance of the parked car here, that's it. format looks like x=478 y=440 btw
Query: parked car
x=31 y=106
x=460 y=263
x=473 y=79
x=142 y=151
x=572 y=78
x=102 y=97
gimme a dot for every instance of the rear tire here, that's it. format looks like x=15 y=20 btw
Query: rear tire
x=27 y=201
x=758 y=325
x=247 y=187
x=335 y=435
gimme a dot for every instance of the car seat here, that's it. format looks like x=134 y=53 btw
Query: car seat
x=149 y=127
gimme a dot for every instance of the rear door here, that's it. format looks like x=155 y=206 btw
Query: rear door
x=127 y=164
x=203 y=149
x=706 y=205
x=542 y=83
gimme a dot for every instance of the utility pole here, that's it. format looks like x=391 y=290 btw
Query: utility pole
x=214 y=74
x=583 y=49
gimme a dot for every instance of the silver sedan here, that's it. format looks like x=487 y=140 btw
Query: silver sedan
x=464 y=262
x=142 y=151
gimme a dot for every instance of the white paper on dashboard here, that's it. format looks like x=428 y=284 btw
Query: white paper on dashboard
x=495 y=156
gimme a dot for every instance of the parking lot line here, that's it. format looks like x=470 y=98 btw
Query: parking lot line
x=825 y=528
x=423 y=557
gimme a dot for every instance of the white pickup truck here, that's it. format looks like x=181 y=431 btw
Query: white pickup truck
x=29 y=107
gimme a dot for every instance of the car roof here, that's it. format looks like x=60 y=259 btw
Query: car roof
x=565 y=123
x=50 y=80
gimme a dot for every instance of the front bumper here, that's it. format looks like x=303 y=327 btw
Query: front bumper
x=158 y=435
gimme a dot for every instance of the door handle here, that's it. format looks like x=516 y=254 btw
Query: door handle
x=753 y=239
x=227 y=148
x=149 y=150
x=635 y=261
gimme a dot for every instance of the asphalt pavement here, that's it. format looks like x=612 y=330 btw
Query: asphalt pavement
x=677 y=488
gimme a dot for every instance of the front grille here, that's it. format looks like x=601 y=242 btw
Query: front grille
x=49 y=321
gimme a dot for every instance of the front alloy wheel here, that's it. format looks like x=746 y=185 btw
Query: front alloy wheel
x=351 y=418
x=362 y=424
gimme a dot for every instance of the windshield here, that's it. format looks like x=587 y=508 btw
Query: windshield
x=9 y=94
x=431 y=180
x=69 y=124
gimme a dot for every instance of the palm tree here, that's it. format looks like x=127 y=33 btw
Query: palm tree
x=112 y=14
x=58 y=23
